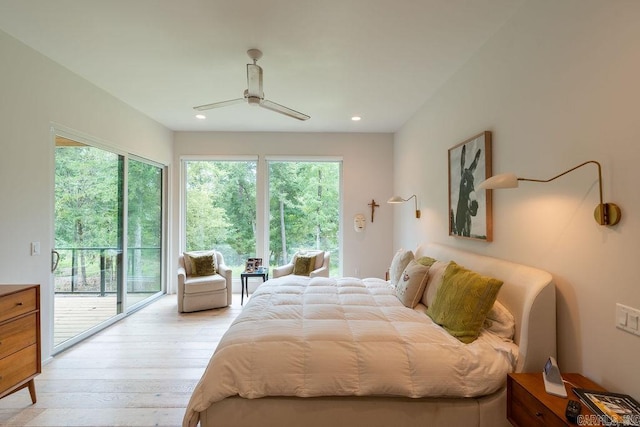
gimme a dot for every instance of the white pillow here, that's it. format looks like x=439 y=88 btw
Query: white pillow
x=500 y=321
x=398 y=264
x=411 y=284
x=436 y=272
x=418 y=252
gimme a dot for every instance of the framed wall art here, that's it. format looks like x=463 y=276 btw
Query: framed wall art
x=470 y=211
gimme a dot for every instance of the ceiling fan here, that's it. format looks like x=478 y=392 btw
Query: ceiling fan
x=254 y=94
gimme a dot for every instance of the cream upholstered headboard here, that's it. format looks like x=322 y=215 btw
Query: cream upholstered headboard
x=529 y=293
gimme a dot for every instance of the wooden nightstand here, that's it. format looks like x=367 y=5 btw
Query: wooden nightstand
x=528 y=404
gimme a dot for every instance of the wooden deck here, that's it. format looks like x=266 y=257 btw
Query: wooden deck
x=77 y=313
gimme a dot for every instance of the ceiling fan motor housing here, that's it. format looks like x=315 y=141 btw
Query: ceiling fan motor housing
x=254 y=54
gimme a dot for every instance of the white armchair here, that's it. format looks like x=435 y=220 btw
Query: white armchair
x=203 y=292
x=319 y=269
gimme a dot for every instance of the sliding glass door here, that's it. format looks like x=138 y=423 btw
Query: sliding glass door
x=88 y=237
x=144 y=231
x=102 y=200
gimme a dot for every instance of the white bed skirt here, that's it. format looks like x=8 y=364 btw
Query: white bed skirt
x=486 y=411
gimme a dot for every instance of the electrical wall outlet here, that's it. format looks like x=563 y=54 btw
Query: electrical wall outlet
x=628 y=319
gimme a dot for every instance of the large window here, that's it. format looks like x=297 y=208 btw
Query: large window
x=221 y=209
x=226 y=200
x=304 y=209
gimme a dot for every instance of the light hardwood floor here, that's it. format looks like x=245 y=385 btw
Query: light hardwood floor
x=139 y=372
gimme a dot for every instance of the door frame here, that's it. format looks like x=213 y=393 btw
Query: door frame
x=65 y=132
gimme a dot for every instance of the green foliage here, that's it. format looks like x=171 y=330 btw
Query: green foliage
x=221 y=208
x=144 y=231
x=304 y=206
x=89 y=185
x=144 y=204
x=87 y=197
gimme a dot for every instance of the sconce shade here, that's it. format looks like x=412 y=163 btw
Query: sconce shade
x=398 y=199
x=504 y=180
x=604 y=213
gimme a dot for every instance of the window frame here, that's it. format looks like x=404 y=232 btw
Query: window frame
x=311 y=159
x=262 y=197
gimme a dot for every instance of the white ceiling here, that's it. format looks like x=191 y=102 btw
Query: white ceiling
x=331 y=59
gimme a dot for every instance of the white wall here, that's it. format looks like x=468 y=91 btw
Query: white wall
x=34 y=92
x=557 y=85
x=367 y=174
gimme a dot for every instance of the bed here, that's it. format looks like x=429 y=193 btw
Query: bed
x=263 y=374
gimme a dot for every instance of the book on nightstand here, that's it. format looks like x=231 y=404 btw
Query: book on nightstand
x=613 y=409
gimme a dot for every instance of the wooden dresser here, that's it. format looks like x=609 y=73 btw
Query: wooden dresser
x=20 y=350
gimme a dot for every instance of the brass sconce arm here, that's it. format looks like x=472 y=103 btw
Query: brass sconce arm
x=398 y=199
x=604 y=214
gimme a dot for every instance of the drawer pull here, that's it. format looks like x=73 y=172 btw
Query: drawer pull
x=19 y=303
x=538 y=414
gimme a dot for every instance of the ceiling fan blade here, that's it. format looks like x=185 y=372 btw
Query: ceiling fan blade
x=218 y=104
x=254 y=81
x=270 y=105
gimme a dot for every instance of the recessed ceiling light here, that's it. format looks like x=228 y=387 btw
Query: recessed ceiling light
x=201 y=116
x=356 y=118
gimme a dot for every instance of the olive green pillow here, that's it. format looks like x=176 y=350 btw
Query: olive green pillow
x=426 y=261
x=202 y=264
x=304 y=265
x=463 y=301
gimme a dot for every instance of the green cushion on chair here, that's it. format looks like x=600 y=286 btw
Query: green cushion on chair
x=202 y=264
x=304 y=265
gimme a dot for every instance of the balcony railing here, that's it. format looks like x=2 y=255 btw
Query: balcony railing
x=94 y=270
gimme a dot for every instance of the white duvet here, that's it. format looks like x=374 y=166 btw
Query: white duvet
x=344 y=336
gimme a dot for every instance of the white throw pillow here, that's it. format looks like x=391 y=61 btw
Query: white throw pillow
x=500 y=321
x=436 y=272
x=398 y=264
x=411 y=284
